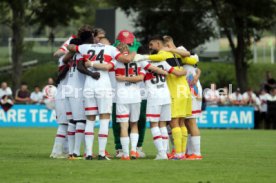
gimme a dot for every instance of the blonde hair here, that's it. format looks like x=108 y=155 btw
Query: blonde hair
x=123 y=47
x=167 y=39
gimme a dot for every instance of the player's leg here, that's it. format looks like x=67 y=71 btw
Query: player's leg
x=165 y=115
x=189 y=150
x=122 y=117
x=91 y=110
x=195 y=139
x=184 y=132
x=105 y=109
x=61 y=134
x=77 y=105
x=71 y=128
x=134 y=134
x=116 y=133
x=142 y=128
x=177 y=137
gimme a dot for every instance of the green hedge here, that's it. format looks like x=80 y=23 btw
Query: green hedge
x=223 y=74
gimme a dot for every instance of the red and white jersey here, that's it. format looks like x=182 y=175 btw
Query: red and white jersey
x=66 y=43
x=75 y=83
x=62 y=82
x=98 y=53
x=127 y=92
x=113 y=82
x=157 y=89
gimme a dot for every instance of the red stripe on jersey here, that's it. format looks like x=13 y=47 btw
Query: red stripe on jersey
x=171 y=69
x=79 y=131
x=149 y=76
x=103 y=135
x=147 y=66
x=122 y=116
x=111 y=64
x=157 y=137
x=61 y=67
x=196 y=112
x=91 y=108
x=107 y=58
x=62 y=49
x=153 y=115
x=61 y=136
x=88 y=133
x=70 y=133
x=68 y=113
x=164 y=137
x=116 y=57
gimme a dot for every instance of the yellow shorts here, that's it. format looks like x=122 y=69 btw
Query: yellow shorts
x=181 y=107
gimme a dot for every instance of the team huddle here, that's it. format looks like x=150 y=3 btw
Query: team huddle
x=98 y=79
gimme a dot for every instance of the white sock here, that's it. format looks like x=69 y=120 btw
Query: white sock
x=60 y=139
x=125 y=145
x=71 y=137
x=103 y=134
x=170 y=135
x=134 y=141
x=89 y=137
x=157 y=139
x=189 y=145
x=195 y=141
x=65 y=145
x=79 y=137
x=165 y=138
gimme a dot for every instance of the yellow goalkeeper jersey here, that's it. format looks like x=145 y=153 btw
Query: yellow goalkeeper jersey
x=181 y=105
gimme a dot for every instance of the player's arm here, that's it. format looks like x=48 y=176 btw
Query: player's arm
x=82 y=69
x=126 y=58
x=181 y=52
x=60 y=52
x=157 y=70
x=196 y=77
x=67 y=57
x=178 y=73
x=133 y=79
x=105 y=67
x=191 y=60
x=62 y=73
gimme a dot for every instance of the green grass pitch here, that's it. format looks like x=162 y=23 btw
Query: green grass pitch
x=229 y=156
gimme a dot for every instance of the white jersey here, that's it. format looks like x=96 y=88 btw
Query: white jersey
x=263 y=100
x=98 y=53
x=196 y=90
x=127 y=92
x=113 y=82
x=62 y=82
x=75 y=83
x=66 y=43
x=157 y=89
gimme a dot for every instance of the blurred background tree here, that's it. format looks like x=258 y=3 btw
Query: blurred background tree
x=192 y=22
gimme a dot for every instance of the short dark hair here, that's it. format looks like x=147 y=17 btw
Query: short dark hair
x=157 y=38
x=24 y=83
x=85 y=33
x=96 y=31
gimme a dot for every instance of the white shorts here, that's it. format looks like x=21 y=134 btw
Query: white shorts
x=196 y=108
x=77 y=107
x=156 y=113
x=127 y=112
x=94 y=106
x=61 y=111
x=68 y=109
